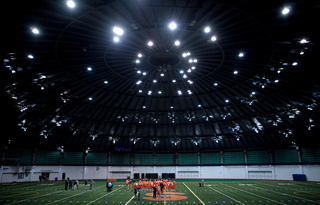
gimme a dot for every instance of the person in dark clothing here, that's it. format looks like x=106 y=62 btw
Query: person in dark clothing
x=161 y=187
x=70 y=184
x=85 y=184
x=154 y=191
x=66 y=185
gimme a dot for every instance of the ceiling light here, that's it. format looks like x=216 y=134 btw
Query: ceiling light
x=172 y=25
x=116 y=39
x=161 y=74
x=303 y=41
x=215 y=84
x=138 y=82
x=174 y=81
x=90 y=98
x=193 y=67
x=190 y=81
x=207 y=29
x=71 y=4
x=184 y=55
x=181 y=71
x=159 y=92
x=235 y=72
x=35 y=31
x=144 y=73
x=138 y=71
x=150 y=43
x=137 y=61
x=241 y=54
x=89 y=69
x=117 y=30
x=195 y=60
x=189 y=70
x=253 y=93
x=184 y=76
x=301 y=52
x=30 y=56
x=190 y=60
x=188 y=53
x=227 y=101
x=144 y=107
x=276 y=81
x=213 y=38
x=294 y=63
x=149 y=92
x=139 y=55
x=106 y=82
x=199 y=105
x=177 y=43
x=285 y=10
x=140 y=91
x=154 y=81
x=179 y=92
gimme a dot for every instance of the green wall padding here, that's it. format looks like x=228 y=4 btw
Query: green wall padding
x=258 y=157
x=190 y=158
x=72 y=158
x=285 y=156
x=120 y=159
x=310 y=155
x=18 y=156
x=143 y=159
x=47 y=157
x=233 y=158
x=165 y=159
x=97 y=158
x=210 y=158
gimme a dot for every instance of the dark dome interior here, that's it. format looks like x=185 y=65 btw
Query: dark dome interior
x=250 y=82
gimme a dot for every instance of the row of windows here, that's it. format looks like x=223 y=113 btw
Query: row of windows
x=308 y=155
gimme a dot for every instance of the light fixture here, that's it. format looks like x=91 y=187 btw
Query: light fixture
x=253 y=93
x=137 y=61
x=144 y=73
x=149 y=92
x=215 y=84
x=150 y=43
x=190 y=81
x=139 y=55
x=174 y=81
x=179 y=92
x=226 y=100
x=116 y=39
x=175 y=141
x=193 y=67
x=196 y=140
x=189 y=92
x=285 y=10
x=117 y=31
x=184 y=76
x=138 y=82
x=35 y=31
x=276 y=81
x=172 y=25
x=177 y=43
x=207 y=29
x=294 y=63
x=184 y=55
x=235 y=72
x=154 y=81
x=162 y=74
x=199 y=105
x=90 y=98
x=30 y=56
x=195 y=60
x=140 y=91
x=144 y=107
x=159 y=92
x=89 y=69
x=139 y=71
x=71 y=4
x=181 y=71
x=241 y=54
x=213 y=38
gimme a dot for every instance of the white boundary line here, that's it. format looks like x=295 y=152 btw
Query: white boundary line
x=33 y=197
x=194 y=194
x=104 y=195
x=288 y=194
x=255 y=194
x=225 y=195
x=129 y=200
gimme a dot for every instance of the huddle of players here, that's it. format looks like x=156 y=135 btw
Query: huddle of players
x=157 y=186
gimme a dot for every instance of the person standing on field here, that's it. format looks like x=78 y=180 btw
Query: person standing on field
x=91 y=184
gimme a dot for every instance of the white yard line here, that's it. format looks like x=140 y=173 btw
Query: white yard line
x=129 y=200
x=104 y=195
x=37 y=190
x=194 y=194
x=255 y=194
x=297 y=197
x=225 y=195
x=33 y=197
x=70 y=196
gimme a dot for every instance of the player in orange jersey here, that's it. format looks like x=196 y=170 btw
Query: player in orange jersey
x=127 y=183
x=135 y=185
x=174 y=185
x=158 y=192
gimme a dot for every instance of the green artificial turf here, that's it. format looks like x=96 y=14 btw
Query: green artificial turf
x=186 y=193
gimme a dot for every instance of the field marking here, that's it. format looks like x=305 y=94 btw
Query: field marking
x=289 y=194
x=226 y=196
x=255 y=194
x=194 y=194
x=104 y=195
x=129 y=200
x=33 y=197
x=24 y=192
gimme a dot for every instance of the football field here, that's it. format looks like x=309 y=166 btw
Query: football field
x=186 y=193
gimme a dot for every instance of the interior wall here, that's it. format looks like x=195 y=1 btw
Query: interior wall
x=275 y=172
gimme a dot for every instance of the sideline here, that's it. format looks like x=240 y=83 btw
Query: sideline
x=194 y=194
x=250 y=193
x=226 y=195
x=104 y=195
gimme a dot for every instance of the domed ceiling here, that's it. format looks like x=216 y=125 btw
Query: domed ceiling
x=160 y=75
